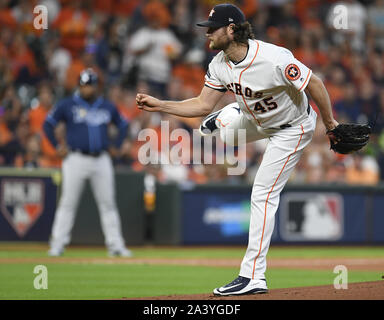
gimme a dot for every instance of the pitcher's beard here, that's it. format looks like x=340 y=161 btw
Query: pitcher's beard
x=218 y=46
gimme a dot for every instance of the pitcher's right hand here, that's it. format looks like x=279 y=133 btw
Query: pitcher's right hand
x=148 y=103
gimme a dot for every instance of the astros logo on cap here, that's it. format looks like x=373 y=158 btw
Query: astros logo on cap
x=292 y=72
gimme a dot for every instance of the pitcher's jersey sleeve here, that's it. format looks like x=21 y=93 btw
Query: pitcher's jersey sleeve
x=291 y=71
x=212 y=77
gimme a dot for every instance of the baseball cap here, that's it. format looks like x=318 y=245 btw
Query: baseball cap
x=222 y=15
x=88 y=76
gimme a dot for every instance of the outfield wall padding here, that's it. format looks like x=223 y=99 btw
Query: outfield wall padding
x=197 y=215
x=167 y=218
x=29 y=197
x=307 y=214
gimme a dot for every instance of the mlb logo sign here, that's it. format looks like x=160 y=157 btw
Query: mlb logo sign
x=21 y=203
x=311 y=217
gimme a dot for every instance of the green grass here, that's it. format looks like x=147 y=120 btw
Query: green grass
x=114 y=281
x=286 y=278
x=85 y=281
x=78 y=281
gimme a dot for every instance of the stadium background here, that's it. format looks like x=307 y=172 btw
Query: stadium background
x=38 y=67
x=196 y=203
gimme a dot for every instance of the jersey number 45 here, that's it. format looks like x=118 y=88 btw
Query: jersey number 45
x=268 y=105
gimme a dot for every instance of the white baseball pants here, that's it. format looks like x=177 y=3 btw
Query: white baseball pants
x=282 y=153
x=76 y=169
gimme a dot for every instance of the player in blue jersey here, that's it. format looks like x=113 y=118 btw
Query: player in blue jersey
x=86 y=156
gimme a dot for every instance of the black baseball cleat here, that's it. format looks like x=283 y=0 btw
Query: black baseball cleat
x=242 y=285
x=208 y=125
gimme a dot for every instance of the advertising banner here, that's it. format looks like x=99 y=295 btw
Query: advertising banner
x=307 y=216
x=220 y=215
x=215 y=217
x=27 y=206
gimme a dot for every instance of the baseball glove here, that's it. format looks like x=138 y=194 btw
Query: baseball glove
x=349 y=137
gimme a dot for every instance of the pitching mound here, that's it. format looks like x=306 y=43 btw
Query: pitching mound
x=356 y=291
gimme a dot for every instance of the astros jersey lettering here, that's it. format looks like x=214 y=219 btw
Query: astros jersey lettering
x=268 y=84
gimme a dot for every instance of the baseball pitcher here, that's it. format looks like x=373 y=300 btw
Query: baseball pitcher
x=270 y=88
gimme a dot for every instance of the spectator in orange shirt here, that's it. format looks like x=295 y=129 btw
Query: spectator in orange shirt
x=308 y=11
x=122 y=8
x=190 y=71
x=24 y=16
x=125 y=101
x=6 y=36
x=5 y=132
x=10 y=122
x=249 y=7
x=362 y=169
x=6 y=18
x=334 y=84
x=307 y=51
x=187 y=80
x=22 y=61
x=72 y=23
x=6 y=72
x=36 y=117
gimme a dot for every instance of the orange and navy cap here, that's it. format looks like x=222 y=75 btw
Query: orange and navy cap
x=222 y=15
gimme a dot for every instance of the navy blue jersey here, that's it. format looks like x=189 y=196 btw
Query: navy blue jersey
x=86 y=123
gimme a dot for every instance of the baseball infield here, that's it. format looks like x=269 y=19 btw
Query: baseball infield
x=188 y=273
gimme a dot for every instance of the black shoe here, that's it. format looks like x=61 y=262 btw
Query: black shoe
x=242 y=285
x=208 y=125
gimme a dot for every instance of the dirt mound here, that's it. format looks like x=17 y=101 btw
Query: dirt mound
x=356 y=291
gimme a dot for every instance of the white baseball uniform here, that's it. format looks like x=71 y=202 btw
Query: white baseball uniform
x=269 y=86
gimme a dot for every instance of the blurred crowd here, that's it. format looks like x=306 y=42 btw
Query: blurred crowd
x=153 y=46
